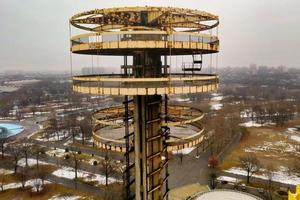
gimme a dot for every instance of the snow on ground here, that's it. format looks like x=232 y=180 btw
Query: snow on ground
x=69 y=142
x=31 y=162
x=58 y=153
x=183 y=99
x=215 y=101
x=31 y=183
x=64 y=197
x=293 y=134
x=296 y=138
x=291 y=130
x=54 y=137
x=273 y=147
x=12 y=186
x=250 y=124
x=281 y=176
x=69 y=173
x=217 y=98
x=5 y=172
x=216 y=106
x=228 y=179
x=184 y=151
x=247 y=113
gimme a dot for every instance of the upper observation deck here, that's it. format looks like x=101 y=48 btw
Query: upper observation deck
x=126 y=42
x=122 y=31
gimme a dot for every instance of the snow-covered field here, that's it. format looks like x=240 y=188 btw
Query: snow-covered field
x=31 y=162
x=64 y=197
x=216 y=106
x=217 y=98
x=281 y=176
x=296 y=138
x=30 y=183
x=251 y=123
x=294 y=134
x=279 y=147
x=5 y=172
x=215 y=101
x=69 y=173
x=184 y=151
x=57 y=152
x=228 y=179
x=54 y=137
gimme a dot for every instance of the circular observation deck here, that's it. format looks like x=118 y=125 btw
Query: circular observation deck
x=127 y=42
x=117 y=84
x=109 y=130
x=123 y=31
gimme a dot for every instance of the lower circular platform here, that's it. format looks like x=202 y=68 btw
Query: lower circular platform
x=185 y=132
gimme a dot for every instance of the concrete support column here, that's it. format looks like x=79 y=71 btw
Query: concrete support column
x=148 y=146
x=147 y=131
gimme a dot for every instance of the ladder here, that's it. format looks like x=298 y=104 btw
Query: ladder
x=195 y=66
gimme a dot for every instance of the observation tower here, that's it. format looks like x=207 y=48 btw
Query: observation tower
x=145 y=128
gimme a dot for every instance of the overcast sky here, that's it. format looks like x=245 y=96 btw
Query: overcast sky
x=34 y=34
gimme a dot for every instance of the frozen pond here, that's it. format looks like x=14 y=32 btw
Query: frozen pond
x=8 y=130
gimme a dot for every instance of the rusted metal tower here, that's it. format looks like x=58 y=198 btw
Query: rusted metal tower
x=149 y=35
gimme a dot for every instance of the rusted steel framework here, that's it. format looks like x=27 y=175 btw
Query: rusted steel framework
x=149 y=35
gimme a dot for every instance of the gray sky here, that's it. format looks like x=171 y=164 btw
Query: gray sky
x=34 y=33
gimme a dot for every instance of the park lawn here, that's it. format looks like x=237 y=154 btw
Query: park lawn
x=49 y=191
x=261 y=141
x=37 y=135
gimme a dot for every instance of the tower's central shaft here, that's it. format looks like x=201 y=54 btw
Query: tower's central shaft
x=148 y=133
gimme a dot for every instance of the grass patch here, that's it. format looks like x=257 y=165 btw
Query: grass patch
x=269 y=144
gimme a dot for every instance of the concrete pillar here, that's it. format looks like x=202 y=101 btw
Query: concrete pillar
x=148 y=140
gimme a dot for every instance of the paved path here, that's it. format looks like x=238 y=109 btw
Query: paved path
x=75 y=185
x=89 y=151
x=192 y=170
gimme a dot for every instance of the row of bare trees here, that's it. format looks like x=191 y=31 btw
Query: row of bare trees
x=71 y=125
x=278 y=113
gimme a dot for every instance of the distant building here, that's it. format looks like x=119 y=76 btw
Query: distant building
x=263 y=70
x=253 y=69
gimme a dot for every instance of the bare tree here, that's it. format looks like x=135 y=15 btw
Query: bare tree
x=86 y=127
x=296 y=164
x=75 y=158
x=33 y=109
x=37 y=151
x=2 y=181
x=2 y=145
x=270 y=175
x=15 y=151
x=213 y=163
x=23 y=176
x=107 y=167
x=251 y=164
x=53 y=125
x=71 y=125
x=37 y=185
x=41 y=174
x=26 y=150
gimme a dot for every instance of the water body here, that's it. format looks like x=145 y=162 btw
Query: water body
x=8 y=130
